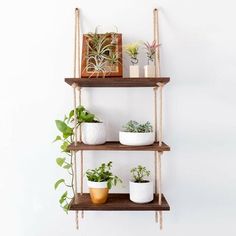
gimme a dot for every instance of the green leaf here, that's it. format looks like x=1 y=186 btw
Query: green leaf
x=60 y=161
x=87 y=117
x=64 y=128
x=58 y=183
x=66 y=208
x=57 y=138
x=109 y=184
x=64 y=146
x=61 y=125
x=67 y=166
x=63 y=197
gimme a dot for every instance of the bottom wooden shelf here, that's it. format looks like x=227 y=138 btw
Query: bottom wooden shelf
x=117 y=202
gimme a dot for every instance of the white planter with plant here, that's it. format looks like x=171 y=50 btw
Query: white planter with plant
x=135 y=134
x=149 y=69
x=93 y=131
x=132 y=51
x=100 y=180
x=140 y=189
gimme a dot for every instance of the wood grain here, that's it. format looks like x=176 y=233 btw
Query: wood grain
x=118 y=202
x=116 y=146
x=117 y=82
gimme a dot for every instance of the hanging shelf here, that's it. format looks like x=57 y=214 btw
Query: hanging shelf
x=117 y=82
x=117 y=202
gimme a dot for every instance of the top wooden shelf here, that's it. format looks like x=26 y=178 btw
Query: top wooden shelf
x=117 y=82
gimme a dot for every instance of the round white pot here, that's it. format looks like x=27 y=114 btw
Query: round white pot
x=136 y=139
x=93 y=133
x=141 y=192
x=92 y=184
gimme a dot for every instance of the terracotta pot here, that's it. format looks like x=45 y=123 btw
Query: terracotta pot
x=98 y=192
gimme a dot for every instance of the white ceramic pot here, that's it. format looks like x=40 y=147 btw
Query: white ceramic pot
x=141 y=192
x=136 y=139
x=134 y=71
x=92 y=184
x=93 y=133
x=149 y=71
x=98 y=192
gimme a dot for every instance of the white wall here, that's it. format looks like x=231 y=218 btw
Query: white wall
x=198 y=53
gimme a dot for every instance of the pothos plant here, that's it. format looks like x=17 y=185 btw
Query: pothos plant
x=66 y=137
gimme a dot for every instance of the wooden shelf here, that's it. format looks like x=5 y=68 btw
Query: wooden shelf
x=116 y=146
x=117 y=82
x=117 y=202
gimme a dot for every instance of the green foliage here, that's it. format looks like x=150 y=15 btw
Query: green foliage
x=60 y=181
x=135 y=127
x=66 y=138
x=101 y=49
x=103 y=174
x=139 y=173
x=132 y=51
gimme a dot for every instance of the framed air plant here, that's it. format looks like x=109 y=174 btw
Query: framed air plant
x=102 y=55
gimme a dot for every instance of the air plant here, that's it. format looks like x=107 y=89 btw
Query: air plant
x=132 y=51
x=97 y=65
x=151 y=50
x=113 y=58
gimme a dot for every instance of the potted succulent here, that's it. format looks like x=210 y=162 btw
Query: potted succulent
x=93 y=130
x=141 y=190
x=132 y=51
x=100 y=180
x=135 y=134
x=149 y=69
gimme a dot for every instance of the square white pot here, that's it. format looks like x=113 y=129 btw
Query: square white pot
x=134 y=71
x=149 y=71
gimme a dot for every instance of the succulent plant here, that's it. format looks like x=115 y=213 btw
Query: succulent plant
x=135 y=127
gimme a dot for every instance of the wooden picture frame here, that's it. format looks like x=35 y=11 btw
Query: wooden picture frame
x=97 y=63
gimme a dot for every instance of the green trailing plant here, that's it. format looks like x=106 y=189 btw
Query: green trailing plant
x=139 y=173
x=132 y=50
x=103 y=174
x=135 y=127
x=65 y=138
x=151 y=50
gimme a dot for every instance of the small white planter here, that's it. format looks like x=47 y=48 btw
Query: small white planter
x=93 y=133
x=92 y=184
x=141 y=192
x=149 y=71
x=134 y=71
x=136 y=139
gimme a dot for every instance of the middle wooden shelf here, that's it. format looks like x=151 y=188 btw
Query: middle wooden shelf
x=117 y=146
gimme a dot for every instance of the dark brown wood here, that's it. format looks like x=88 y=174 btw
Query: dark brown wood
x=119 y=66
x=117 y=202
x=109 y=146
x=117 y=82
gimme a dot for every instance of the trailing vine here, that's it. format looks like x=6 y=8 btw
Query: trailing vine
x=64 y=161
